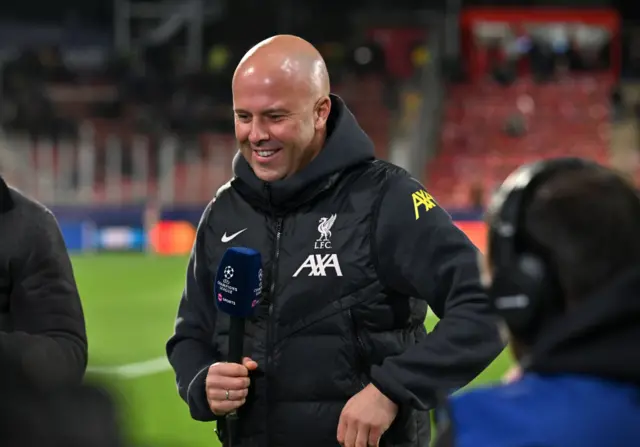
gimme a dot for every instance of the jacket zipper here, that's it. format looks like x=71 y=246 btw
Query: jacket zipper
x=359 y=348
x=272 y=290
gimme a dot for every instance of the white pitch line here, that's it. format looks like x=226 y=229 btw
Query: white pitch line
x=148 y=367
x=133 y=370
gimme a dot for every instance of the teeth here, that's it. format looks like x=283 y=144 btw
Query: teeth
x=266 y=153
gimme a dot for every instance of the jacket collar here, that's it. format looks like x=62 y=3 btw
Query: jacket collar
x=6 y=202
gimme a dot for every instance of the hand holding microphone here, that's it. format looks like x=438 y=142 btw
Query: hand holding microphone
x=228 y=385
x=238 y=290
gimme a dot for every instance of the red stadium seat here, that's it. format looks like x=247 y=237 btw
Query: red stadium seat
x=570 y=117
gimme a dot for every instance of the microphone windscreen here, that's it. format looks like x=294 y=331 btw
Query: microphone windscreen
x=238 y=283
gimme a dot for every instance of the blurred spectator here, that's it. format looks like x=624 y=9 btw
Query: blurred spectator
x=476 y=196
x=73 y=416
x=515 y=125
x=617 y=104
x=542 y=59
x=589 y=44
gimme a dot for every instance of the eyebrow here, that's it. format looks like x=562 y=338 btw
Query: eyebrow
x=265 y=112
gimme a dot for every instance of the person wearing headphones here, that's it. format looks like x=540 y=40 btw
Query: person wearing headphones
x=563 y=273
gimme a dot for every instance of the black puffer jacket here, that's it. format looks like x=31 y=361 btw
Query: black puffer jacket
x=42 y=325
x=354 y=250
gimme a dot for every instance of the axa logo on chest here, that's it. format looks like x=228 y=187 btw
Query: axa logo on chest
x=317 y=264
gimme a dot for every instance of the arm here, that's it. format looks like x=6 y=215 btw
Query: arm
x=49 y=338
x=190 y=350
x=427 y=257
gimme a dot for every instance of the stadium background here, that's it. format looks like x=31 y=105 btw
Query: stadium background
x=117 y=115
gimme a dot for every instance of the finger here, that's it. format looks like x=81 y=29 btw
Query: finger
x=249 y=364
x=362 y=437
x=351 y=435
x=225 y=406
x=228 y=369
x=374 y=437
x=227 y=383
x=342 y=430
x=217 y=394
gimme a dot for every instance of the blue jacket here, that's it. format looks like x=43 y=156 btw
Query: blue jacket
x=548 y=411
x=581 y=386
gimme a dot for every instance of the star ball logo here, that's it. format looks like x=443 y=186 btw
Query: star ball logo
x=228 y=272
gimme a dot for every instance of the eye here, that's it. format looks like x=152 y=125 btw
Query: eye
x=243 y=117
x=276 y=117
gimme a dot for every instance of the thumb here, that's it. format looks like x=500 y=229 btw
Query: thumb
x=249 y=364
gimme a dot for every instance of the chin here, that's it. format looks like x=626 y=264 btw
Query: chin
x=268 y=175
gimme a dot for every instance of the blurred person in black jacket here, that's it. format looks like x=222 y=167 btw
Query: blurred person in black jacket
x=33 y=415
x=42 y=325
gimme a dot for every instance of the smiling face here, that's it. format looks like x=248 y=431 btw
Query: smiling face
x=276 y=126
x=280 y=108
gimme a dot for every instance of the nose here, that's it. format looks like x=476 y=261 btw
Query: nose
x=258 y=133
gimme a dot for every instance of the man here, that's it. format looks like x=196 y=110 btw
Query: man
x=353 y=250
x=42 y=323
x=564 y=272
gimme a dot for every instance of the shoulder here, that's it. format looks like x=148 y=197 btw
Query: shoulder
x=403 y=200
x=392 y=182
x=33 y=228
x=222 y=191
x=383 y=172
x=221 y=194
x=31 y=214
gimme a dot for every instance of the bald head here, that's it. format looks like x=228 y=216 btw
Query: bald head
x=281 y=105
x=285 y=59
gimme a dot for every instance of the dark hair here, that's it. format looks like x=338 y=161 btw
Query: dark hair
x=587 y=225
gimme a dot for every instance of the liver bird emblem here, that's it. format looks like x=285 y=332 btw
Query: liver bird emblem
x=325 y=227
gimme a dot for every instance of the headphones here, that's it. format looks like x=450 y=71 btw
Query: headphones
x=525 y=291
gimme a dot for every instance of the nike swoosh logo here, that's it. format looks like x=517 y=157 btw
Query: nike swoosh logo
x=226 y=238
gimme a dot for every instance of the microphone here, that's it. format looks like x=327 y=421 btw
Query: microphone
x=238 y=290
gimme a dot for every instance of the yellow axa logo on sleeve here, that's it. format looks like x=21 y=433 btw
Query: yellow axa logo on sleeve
x=422 y=198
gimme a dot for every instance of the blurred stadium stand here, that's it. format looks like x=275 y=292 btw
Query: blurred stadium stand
x=136 y=115
x=116 y=128
x=539 y=83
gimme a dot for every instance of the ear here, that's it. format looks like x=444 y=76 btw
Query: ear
x=323 y=109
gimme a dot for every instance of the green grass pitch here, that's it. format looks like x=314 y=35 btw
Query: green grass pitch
x=130 y=302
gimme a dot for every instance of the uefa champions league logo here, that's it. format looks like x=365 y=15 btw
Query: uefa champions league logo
x=258 y=290
x=228 y=272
